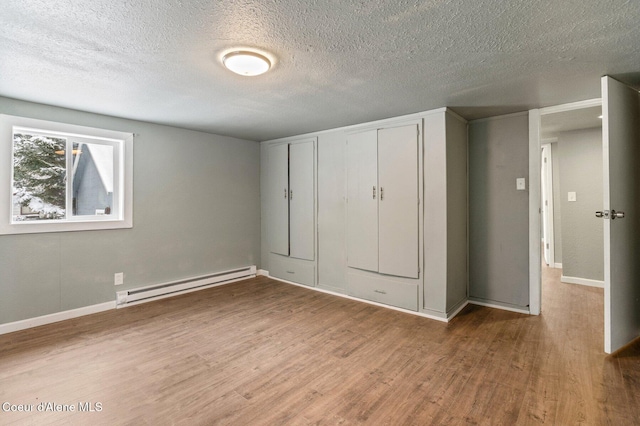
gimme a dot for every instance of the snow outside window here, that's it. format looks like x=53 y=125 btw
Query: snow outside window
x=63 y=177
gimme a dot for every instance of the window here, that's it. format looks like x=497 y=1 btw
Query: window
x=62 y=177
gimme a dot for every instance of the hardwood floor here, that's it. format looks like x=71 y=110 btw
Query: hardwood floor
x=263 y=352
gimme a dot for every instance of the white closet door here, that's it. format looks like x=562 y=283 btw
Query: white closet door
x=301 y=200
x=398 y=206
x=279 y=198
x=362 y=204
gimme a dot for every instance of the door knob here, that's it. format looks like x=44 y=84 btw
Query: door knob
x=614 y=214
x=617 y=215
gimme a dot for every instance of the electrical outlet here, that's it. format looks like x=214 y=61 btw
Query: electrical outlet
x=118 y=278
x=571 y=196
x=521 y=184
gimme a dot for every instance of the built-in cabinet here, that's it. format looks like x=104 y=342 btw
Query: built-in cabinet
x=291 y=187
x=393 y=209
x=383 y=215
x=383 y=201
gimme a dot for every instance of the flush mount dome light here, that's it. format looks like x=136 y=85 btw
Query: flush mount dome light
x=246 y=63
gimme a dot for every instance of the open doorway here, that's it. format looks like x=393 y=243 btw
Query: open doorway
x=570 y=192
x=620 y=105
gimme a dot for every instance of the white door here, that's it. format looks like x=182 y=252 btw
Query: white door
x=301 y=200
x=398 y=205
x=279 y=198
x=362 y=200
x=621 y=184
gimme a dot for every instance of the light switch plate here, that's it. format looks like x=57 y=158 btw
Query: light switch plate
x=118 y=278
x=521 y=184
x=571 y=196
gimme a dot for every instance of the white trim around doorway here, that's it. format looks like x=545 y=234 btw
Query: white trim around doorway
x=535 y=272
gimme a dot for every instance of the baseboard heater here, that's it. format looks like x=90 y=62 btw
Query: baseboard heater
x=173 y=288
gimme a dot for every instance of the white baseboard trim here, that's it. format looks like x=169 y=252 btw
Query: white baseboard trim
x=582 y=281
x=262 y=273
x=497 y=306
x=56 y=317
x=557 y=265
x=382 y=305
x=457 y=311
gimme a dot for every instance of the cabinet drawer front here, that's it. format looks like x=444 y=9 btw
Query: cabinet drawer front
x=295 y=270
x=382 y=290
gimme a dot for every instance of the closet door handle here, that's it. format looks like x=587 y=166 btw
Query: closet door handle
x=374 y=192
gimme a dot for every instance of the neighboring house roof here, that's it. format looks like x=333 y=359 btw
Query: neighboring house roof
x=103 y=159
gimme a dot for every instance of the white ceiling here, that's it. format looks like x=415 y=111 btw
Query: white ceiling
x=337 y=62
x=585 y=118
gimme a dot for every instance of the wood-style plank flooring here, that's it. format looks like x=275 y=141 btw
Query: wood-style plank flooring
x=260 y=352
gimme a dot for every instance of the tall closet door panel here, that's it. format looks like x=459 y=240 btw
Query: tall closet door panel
x=301 y=200
x=398 y=206
x=279 y=198
x=362 y=203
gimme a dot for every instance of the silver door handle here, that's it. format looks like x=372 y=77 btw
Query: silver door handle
x=603 y=214
x=374 y=192
x=617 y=215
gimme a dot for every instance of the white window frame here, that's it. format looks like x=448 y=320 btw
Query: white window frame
x=122 y=213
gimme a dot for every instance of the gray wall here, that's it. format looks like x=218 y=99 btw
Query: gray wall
x=557 y=205
x=264 y=208
x=498 y=213
x=196 y=211
x=580 y=155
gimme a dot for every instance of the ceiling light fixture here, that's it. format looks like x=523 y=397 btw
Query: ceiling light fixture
x=246 y=63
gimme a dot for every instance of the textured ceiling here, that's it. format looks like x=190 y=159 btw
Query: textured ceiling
x=337 y=62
